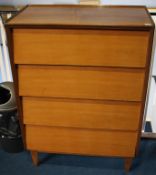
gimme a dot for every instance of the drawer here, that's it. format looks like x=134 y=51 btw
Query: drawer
x=81 y=47
x=79 y=141
x=85 y=83
x=81 y=114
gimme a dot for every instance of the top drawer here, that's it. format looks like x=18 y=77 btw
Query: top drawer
x=80 y=47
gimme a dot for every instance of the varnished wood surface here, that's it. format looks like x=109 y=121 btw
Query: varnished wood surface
x=81 y=47
x=76 y=141
x=85 y=83
x=128 y=163
x=84 y=16
x=34 y=156
x=7 y=8
x=81 y=114
x=15 y=80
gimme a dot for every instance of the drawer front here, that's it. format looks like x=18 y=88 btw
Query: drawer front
x=81 y=47
x=76 y=141
x=81 y=114
x=86 y=83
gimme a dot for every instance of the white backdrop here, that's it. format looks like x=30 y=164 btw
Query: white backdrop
x=149 y=3
x=24 y=2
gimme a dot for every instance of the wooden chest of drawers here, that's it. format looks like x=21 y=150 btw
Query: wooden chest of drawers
x=81 y=75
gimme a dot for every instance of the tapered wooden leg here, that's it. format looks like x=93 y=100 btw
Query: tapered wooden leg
x=128 y=164
x=34 y=156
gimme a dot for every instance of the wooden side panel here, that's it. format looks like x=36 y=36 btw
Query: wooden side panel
x=76 y=141
x=81 y=114
x=81 y=47
x=83 y=83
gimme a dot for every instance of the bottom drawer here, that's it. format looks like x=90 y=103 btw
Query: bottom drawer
x=80 y=141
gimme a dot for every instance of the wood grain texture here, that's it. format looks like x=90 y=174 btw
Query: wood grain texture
x=76 y=141
x=146 y=85
x=83 y=16
x=15 y=80
x=100 y=81
x=81 y=114
x=85 y=83
x=81 y=47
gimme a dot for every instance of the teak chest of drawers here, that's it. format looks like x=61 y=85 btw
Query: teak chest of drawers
x=81 y=75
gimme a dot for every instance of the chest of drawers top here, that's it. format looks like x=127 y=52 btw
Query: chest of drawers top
x=110 y=36
x=78 y=16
